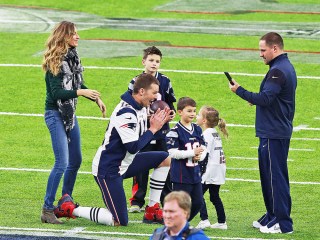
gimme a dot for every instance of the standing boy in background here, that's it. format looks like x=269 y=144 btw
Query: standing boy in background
x=186 y=145
x=151 y=61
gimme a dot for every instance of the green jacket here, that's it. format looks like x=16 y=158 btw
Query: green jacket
x=55 y=91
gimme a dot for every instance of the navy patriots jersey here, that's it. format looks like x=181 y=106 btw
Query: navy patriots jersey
x=122 y=139
x=166 y=94
x=181 y=138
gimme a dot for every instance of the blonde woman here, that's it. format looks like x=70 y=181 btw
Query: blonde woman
x=64 y=83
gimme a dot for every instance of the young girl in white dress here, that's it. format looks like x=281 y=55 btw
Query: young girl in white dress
x=214 y=169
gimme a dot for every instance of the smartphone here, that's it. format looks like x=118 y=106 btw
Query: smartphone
x=229 y=77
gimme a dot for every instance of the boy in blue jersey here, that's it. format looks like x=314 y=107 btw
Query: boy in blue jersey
x=118 y=157
x=186 y=147
x=151 y=60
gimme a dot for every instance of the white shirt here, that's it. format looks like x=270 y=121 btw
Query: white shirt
x=216 y=168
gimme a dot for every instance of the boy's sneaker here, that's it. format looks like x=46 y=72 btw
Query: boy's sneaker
x=134 y=209
x=153 y=214
x=222 y=226
x=203 y=224
x=65 y=207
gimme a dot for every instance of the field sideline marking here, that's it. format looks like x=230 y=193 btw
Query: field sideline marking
x=298 y=128
x=161 y=70
x=26 y=230
x=87 y=173
x=137 y=23
x=228 y=13
x=74 y=231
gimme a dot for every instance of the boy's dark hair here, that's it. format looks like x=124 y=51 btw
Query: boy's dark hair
x=184 y=102
x=273 y=38
x=150 y=51
x=144 y=81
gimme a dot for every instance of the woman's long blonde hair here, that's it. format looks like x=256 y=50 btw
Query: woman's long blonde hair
x=213 y=119
x=57 y=46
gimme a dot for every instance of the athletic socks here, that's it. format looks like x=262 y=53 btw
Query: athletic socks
x=157 y=182
x=95 y=214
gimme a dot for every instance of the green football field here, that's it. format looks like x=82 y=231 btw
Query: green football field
x=200 y=39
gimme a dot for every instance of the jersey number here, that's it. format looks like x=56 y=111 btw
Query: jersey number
x=189 y=146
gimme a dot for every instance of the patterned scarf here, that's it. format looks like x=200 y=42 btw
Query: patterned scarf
x=72 y=79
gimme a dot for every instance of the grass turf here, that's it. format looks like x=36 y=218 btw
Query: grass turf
x=25 y=141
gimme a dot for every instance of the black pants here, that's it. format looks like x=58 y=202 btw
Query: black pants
x=140 y=181
x=195 y=192
x=216 y=201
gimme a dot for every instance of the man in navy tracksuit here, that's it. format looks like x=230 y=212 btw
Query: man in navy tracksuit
x=275 y=106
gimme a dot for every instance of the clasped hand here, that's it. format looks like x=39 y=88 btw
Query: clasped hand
x=197 y=153
x=159 y=118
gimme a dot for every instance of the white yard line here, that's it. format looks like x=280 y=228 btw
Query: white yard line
x=253 y=158
x=41 y=115
x=73 y=232
x=296 y=149
x=161 y=70
x=306 y=139
x=54 y=232
x=243 y=169
x=106 y=119
x=258 y=181
x=82 y=172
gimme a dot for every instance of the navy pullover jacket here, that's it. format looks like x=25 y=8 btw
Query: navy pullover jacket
x=275 y=103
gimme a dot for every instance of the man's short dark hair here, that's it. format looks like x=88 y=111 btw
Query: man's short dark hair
x=273 y=38
x=184 y=102
x=144 y=81
x=150 y=51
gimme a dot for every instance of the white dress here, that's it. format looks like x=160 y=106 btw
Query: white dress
x=216 y=168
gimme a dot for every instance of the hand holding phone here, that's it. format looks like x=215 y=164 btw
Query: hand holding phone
x=229 y=77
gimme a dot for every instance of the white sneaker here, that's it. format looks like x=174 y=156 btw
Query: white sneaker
x=256 y=224
x=222 y=226
x=134 y=209
x=203 y=224
x=274 y=229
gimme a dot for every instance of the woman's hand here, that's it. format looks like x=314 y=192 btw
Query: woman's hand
x=101 y=106
x=88 y=93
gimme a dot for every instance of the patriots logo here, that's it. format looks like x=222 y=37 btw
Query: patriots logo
x=170 y=141
x=129 y=125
